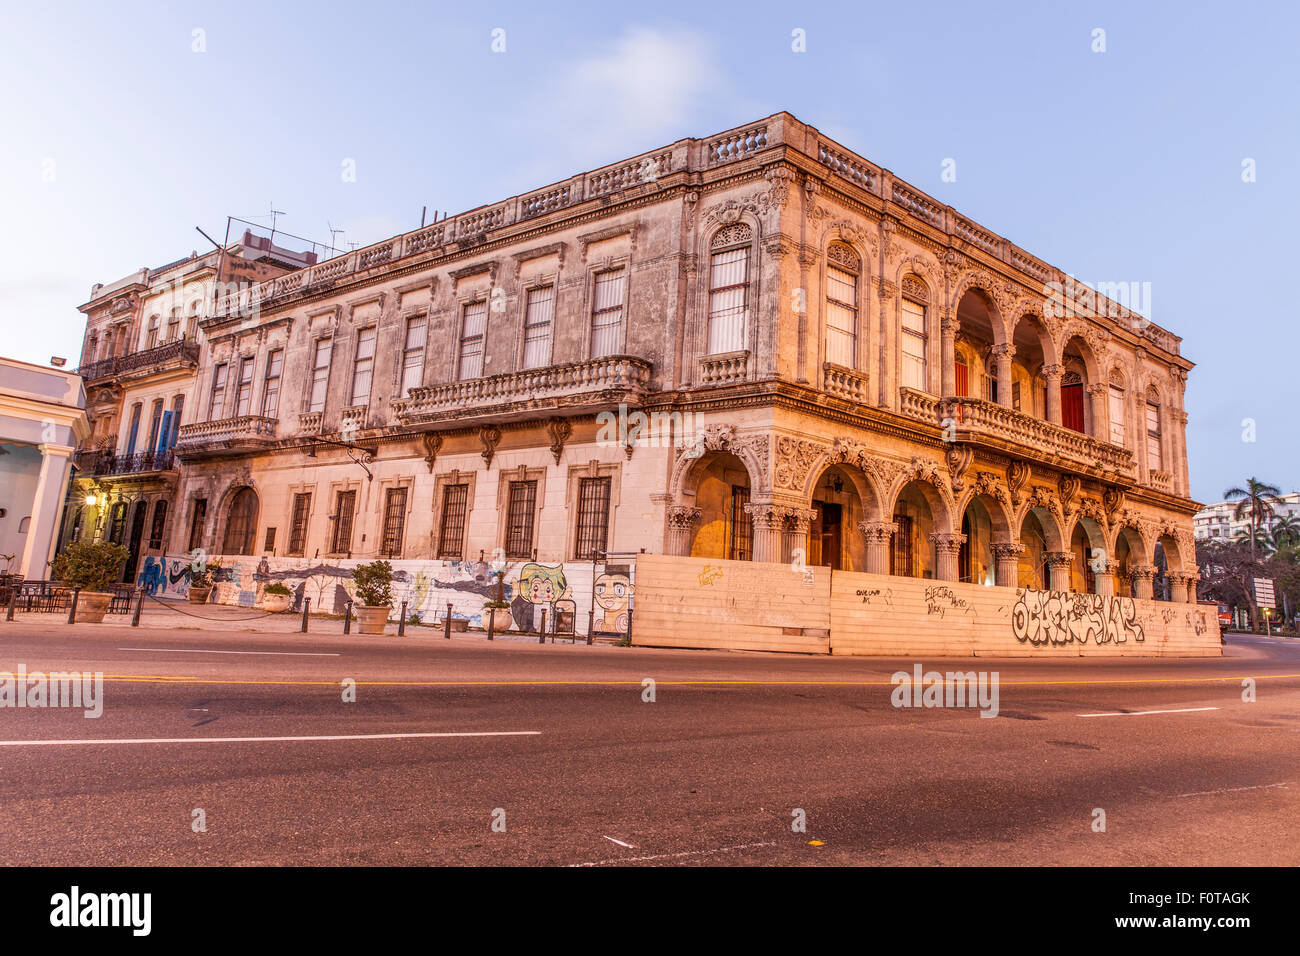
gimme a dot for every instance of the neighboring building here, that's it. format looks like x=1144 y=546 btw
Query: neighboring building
x=1219 y=522
x=139 y=359
x=42 y=419
x=827 y=360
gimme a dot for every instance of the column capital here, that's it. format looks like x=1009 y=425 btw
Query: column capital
x=1052 y=371
x=947 y=543
x=797 y=520
x=878 y=531
x=1139 y=572
x=1005 y=349
x=56 y=451
x=1058 y=559
x=764 y=516
x=682 y=518
x=1006 y=550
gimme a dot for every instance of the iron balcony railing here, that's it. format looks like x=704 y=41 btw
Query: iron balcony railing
x=185 y=351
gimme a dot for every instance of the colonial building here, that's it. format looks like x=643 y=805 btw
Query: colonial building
x=138 y=362
x=757 y=345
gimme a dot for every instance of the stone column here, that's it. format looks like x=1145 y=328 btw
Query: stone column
x=1052 y=373
x=1103 y=581
x=682 y=522
x=51 y=489
x=1177 y=587
x=1058 y=569
x=1006 y=563
x=1002 y=355
x=1191 y=578
x=878 y=535
x=766 y=522
x=794 y=531
x=1141 y=575
x=1097 y=392
x=948 y=327
x=946 y=549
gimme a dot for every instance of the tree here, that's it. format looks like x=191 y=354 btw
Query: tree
x=1286 y=532
x=1255 y=502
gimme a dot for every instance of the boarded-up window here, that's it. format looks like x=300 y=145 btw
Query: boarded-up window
x=241 y=523
x=607 y=313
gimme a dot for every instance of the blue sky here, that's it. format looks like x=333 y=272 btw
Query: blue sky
x=1125 y=165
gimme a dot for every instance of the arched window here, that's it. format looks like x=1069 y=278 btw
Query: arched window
x=728 y=290
x=151 y=339
x=1072 y=401
x=174 y=326
x=842 y=270
x=241 y=523
x=914 y=339
x=1154 y=459
x=1116 y=408
x=159 y=524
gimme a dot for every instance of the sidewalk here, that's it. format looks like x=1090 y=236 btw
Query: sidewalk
x=161 y=614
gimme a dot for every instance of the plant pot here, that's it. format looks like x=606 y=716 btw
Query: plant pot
x=199 y=593
x=92 y=606
x=459 y=624
x=501 y=619
x=371 y=620
x=275 y=603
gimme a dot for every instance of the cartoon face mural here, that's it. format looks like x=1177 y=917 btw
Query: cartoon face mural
x=538 y=586
x=613 y=595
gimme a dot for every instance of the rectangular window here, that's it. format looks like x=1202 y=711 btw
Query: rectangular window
x=472 y=333
x=519 y=518
x=1015 y=395
x=298 y=525
x=320 y=374
x=364 y=367
x=197 y=517
x=390 y=545
x=271 y=385
x=607 y=313
x=913 y=343
x=593 y=518
x=173 y=328
x=178 y=406
x=134 y=431
x=1116 y=415
x=740 y=530
x=155 y=423
x=1153 y=437
x=963 y=376
x=244 y=394
x=413 y=354
x=151 y=339
x=343 y=511
x=842 y=317
x=728 y=308
x=538 y=320
x=159 y=523
x=269 y=543
x=451 y=534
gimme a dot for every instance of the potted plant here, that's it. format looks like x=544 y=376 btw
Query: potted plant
x=275 y=597
x=374 y=595
x=202 y=577
x=499 y=608
x=91 y=566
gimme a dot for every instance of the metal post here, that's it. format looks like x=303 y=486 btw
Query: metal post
x=347 y=618
x=401 y=624
x=446 y=623
x=591 y=623
x=72 y=608
x=492 y=620
x=13 y=596
x=542 y=639
x=139 y=606
x=306 y=603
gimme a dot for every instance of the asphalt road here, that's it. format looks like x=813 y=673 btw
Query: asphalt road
x=581 y=770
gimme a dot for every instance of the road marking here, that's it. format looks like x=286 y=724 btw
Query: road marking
x=620 y=843
x=1207 y=793
x=182 y=650
x=1145 y=713
x=673 y=856
x=257 y=740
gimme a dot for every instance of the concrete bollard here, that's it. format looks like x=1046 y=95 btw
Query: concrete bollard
x=306 y=603
x=347 y=618
x=446 y=622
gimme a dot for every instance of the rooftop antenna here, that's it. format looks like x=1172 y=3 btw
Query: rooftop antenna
x=274 y=213
x=334 y=233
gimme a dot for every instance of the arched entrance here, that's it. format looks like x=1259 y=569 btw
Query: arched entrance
x=1088 y=571
x=835 y=538
x=1044 y=562
x=241 y=523
x=912 y=554
x=719 y=484
x=983 y=525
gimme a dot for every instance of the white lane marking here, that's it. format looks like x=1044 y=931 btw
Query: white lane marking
x=673 y=856
x=182 y=650
x=620 y=843
x=1206 y=793
x=258 y=740
x=1144 y=713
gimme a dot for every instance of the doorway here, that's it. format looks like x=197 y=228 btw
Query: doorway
x=826 y=535
x=137 y=534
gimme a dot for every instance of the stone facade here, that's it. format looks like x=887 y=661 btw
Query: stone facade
x=756 y=345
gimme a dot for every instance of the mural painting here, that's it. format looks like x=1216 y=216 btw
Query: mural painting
x=614 y=597
x=1060 y=617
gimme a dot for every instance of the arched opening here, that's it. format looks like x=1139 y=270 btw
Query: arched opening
x=912 y=553
x=1088 y=545
x=834 y=538
x=1165 y=558
x=983 y=525
x=1028 y=383
x=241 y=523
x=975 y=373
x=1128 y=548
x=1076 y=380
x=1039 y=536
x=721 y=491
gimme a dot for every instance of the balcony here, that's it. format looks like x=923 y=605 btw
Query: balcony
x=183 y=353
x=577 y=387
x=723 y=368
x=844 y=383
x=1004 y=429
x=107 y=466
x=245 y=433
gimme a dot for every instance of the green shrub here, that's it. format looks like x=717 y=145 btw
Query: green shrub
x=89 y=565
x=275 y=587
x=374 y=583
x=413 y=619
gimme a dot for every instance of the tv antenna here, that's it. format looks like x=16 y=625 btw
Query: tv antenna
x=334 y=234
x=274 y=214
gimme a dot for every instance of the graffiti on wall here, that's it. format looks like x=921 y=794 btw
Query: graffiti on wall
x=614 y=597
x=1058 y=617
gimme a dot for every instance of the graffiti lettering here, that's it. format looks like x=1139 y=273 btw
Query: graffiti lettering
x=1057 y=617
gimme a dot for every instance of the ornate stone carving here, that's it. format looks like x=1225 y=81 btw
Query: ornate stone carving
x=913 y=288
x=947 y=543
x=794 y=457
x=432 y=442
x=878 y=532
x=1007 y=550
x=986 y=483
x=559 y=430
x=1017 y=475
x=1113 y=499
x=959 y=458
x=490 y=437
x=682 y=518
x=1067 y=488
x=780 y=178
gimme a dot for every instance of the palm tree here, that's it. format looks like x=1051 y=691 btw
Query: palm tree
x=1262 y=540
x=1256 y=501
x=1286 y=531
